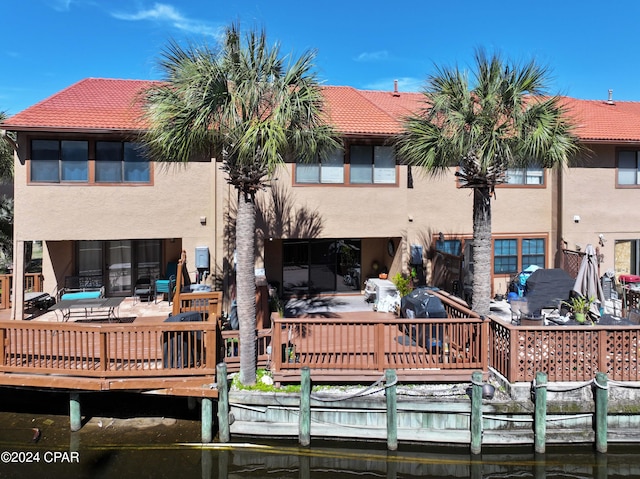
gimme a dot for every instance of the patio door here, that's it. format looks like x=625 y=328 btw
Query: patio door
x=118 y=267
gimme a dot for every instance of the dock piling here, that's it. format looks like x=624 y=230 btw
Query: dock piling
x=540 y=414
x=476 y=412
x=305 y=407
x=392 y=410
x=75 y=416
x=602 y=406
x=223 y=403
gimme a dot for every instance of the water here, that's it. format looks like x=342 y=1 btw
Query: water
x=162 y=442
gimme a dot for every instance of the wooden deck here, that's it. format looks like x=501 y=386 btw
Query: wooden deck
x=149 y=354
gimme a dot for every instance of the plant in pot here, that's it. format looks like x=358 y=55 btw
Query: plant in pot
x=403 y=284
x=580 y=307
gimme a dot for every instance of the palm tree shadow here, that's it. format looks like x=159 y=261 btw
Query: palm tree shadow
x=313 y=306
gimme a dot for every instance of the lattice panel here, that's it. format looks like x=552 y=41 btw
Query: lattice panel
x=623 y=364
x=562 y=355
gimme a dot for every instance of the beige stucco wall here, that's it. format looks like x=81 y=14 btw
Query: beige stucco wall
x=172 y=207
x=590 y=192
x=414 y=214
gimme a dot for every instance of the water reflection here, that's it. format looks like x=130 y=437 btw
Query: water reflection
x=282 y=460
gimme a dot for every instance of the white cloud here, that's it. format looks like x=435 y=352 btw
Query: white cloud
x=408 y=84
x=164 y=13
x=61 y=5
x=380 y=55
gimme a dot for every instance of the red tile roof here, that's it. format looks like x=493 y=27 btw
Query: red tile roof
x=90 y=104
x=111 y=104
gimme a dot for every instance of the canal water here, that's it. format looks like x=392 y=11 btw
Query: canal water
x=128 y=436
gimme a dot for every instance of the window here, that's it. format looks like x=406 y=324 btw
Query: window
x=71 y=161
x=449 y=246
x=59 y=160
x=372 y=165
x=118 y=162
x=505 y=256
x=628 y=168
x=525 y=176
x=513 y=255
x=329 y=170
x=533 y=252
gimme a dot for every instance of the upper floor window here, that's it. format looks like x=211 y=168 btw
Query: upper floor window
x=525 y=176
x=372 y=164
x=120 y=162
x=56 y=161
x=59 y=160
x=329 y=170
x=628 y=168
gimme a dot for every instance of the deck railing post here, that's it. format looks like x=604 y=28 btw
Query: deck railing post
x=540 y=415
x=223 y=403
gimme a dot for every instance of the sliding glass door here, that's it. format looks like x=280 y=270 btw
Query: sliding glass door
x=119 y=262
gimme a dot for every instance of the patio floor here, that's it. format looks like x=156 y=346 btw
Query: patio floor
x=129 y=308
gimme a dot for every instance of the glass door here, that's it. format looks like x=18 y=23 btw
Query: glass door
x=118 y=268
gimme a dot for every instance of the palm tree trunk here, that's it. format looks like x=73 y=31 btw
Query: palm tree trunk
x=481 y=250
x=246 y=287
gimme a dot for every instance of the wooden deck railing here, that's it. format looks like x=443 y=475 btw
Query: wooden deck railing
x=107 y=350
x=32 y=282
x=427 y=349
x=179 y=357
x=565 y=353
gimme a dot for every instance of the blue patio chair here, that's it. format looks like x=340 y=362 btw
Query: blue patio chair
x=168 y=284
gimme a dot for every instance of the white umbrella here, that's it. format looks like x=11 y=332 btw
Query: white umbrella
x=588 y=283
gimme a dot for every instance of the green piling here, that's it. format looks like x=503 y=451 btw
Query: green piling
x=304 y=433
x=540 y=414
x=207 y=420
x=223 y=403
x=602 y=406
x=476 y=412
x=75 y=417
x=392 y=409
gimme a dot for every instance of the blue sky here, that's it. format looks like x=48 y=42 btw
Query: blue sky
x=589 y=46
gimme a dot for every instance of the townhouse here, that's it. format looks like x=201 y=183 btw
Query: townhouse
x=103 y=209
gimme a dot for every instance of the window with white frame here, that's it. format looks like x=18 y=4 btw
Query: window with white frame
x=628 y=167
x=525 y=176
x=372 y=164
x=328 y=170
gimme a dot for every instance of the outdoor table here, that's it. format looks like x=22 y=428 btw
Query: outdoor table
x=31 y=298
x=85 y=308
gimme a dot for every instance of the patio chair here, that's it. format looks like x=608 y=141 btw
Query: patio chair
x=143 y=289
x=167 y=285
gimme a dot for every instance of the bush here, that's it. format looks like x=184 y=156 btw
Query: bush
x=403 y=284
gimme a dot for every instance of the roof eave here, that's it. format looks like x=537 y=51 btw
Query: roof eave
x=50 y=129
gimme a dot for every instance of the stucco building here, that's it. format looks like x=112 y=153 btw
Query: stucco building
x=101 y=208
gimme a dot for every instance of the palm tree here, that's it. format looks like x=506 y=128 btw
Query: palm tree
x=505 y=119
x=7 y=144
x=252 y=109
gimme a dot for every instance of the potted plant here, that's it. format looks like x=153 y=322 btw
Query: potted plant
x=580 y=306
x=402 y=284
